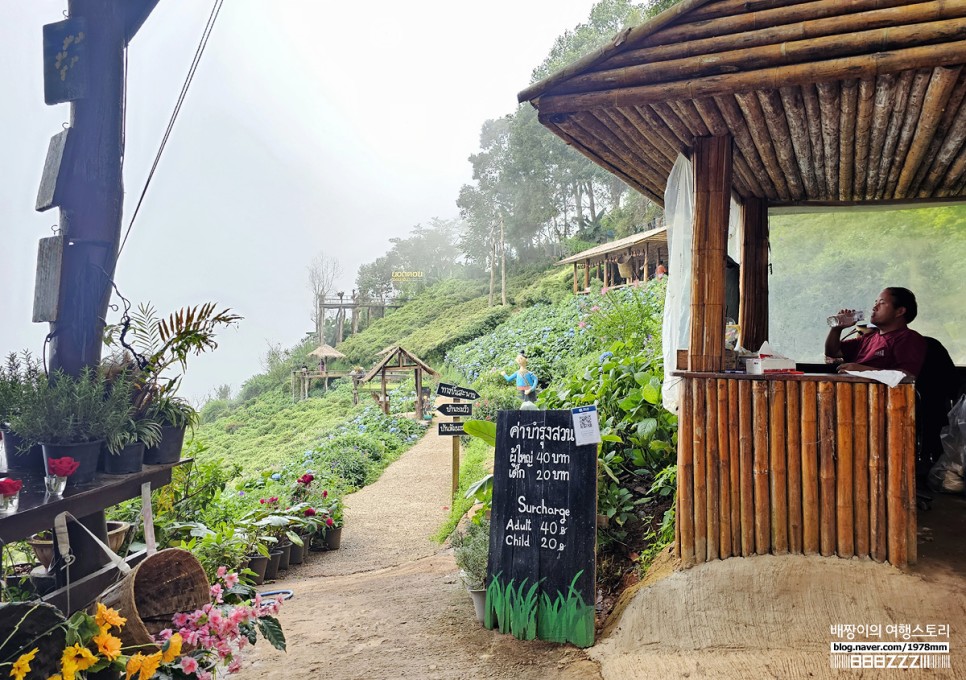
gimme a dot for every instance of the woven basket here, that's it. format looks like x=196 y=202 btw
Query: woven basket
x=44 y=547
x=165 y=583
x=25 y=625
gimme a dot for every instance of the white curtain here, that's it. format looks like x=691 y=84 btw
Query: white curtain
x=678 y=217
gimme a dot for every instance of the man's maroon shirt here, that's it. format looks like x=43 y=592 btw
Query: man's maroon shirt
x=901 y=350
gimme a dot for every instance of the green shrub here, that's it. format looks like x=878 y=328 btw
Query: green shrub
x=471 y=549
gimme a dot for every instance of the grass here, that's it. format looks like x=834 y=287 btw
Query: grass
x=527 y=613
x=477 y=462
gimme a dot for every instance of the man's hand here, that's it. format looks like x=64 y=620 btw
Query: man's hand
x=853 y=367
x=840 y=313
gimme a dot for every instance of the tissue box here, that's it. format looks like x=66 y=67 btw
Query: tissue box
x=761 y=365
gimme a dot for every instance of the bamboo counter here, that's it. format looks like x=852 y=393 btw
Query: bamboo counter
x=803 y=464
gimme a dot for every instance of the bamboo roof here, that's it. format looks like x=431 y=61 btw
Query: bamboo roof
x=827 y=101
x=404 y=361
x=326 y=352
x=622 y=245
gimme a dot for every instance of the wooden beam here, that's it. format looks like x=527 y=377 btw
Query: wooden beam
x=753 y=308
x=940 y=90
x=712 y=200
x=910 y=124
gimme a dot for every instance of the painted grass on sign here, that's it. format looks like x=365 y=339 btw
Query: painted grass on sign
x=527 y=613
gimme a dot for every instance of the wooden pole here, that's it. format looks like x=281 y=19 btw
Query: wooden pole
x=759 y=391
x=909 y=455
x=712 y=201
x=419 y=393
x=724 y=469
x=734 y=436
x=753 y=310
x=895 y=473
x=860 y=470
x=778 y=474
x=685 y=514
x=746 y=455
x=811 y=516
x=575 y=278
x=826 y=473
x=712 y=468
x=844 y=487
x=877 y=473
x=699 y=434
x=586 y=274
x=794 y=447
x=456 y=456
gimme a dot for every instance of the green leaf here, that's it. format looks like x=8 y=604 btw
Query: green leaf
x=271 y=630
x=612 y=438
x=481 y=429
x=652 y=391
x=646 y=428
x=631 y=401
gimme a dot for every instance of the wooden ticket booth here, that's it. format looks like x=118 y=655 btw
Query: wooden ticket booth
x=779 y=103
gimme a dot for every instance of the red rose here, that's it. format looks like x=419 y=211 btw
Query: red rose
x=62 y=467
x=310 y=512
x=9 y=487
x=328 y=521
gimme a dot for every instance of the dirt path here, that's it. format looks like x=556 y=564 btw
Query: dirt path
x=389 y=604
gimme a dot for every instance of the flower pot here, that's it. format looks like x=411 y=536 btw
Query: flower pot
x=127 y=461
x=87 y=455
x=29 y=461
x=44 y=547
x=333 y=538
x=283 y=561
x=258 y=564
x=479 y=603
x=271 y=571
x=169 y=450
x=297 y=555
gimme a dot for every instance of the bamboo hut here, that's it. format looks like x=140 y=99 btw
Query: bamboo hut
x=398 y=361
x=302 y=379
x=627 y=260
x=778 y=103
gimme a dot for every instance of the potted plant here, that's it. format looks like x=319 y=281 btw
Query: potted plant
x=334 y=520
x=18 y=376
x=175 y=415
x=73 y=417
x=472 y=550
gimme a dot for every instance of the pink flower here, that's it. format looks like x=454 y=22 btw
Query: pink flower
x=234 y=666
x=603 y=291
x=204 y=675
x=180 y=620
x=595 y=308
x=231 y=580
x=222 y=570
x=216 y=592
x=582 y=324
x=189 y=665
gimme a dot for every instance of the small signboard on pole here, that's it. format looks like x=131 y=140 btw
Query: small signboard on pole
x=456 y=410
x=456 y=392
x=450 y=429
x=543 y=529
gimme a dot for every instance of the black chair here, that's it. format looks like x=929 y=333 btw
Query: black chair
x=937 y=387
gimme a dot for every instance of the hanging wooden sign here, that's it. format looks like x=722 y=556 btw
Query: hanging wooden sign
x=456 y=409
x=66 y=68
x=456 y=392
x=450 y=429
x=541 y=570
x=56 y=169
x=47 y=286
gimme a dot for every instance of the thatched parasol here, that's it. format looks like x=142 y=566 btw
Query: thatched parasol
x=326 y=352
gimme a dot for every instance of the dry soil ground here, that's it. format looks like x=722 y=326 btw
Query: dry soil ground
x=389 y=604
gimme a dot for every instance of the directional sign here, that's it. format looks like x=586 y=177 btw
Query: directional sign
x=450 y=429
x=447 y=390
x=456 y=409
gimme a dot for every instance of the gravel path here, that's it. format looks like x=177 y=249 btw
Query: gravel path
x=388 y=603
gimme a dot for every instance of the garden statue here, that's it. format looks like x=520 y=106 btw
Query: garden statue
x=526 y=380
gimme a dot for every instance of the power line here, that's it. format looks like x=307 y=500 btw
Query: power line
x=199 y=51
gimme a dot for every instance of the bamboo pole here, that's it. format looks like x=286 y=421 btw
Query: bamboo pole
x=746 y=176
x=651 y=127
x=731 y=112
x=825 y=26
x=755 y=117
x=674 y=124
x=587 y=274
x=811 y=515
x=575 y=278
x=940 y=90
x=759 y=391
x=909 y=454
x=844 y=488
x=895 y=473
x=813 y=113
x=860 y=492
x=724 y=469
x=699 y=436
x=778 y=468
x=937 y=156
x=793 y=419
x=777 y=125
x=730 y=7
x=829 y=100
x=922 y=56
x=734 y=437
x=951 y=148
x=617 y=134
x=909 y=127
x=794 y=106
x=753 y=276
x=863 y=127
x=685 y=515
x=609 y=139
x=903 y=88
x=847 y=125
x=712 y=468
x=826 y=472
x=877 y=473
x=747 y=470
x=660 y=159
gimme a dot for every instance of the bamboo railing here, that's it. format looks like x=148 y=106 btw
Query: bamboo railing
x=795 y=464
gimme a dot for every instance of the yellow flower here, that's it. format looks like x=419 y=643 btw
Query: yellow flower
x=173 y=650
x=55 y=676
x=134 y=665
x=22 y=665
x=149 y=665
x=76 y=658
x=107 y=644
x=107 y=617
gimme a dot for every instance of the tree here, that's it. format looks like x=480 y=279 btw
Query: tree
x=323 y=272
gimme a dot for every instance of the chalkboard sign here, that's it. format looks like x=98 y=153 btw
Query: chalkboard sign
x=541 y=570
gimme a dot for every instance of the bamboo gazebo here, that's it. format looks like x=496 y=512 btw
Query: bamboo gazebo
x=635 y=257
x=777 y=103
x=397 y=361
x=302 y=379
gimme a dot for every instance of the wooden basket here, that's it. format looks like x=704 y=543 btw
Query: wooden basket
x=165 y=583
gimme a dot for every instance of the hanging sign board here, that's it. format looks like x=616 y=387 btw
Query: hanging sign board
x=457 y=410
x=54 y=180
x=65 y=61
x=541 y=569
x=47 y=285
x=456 y=392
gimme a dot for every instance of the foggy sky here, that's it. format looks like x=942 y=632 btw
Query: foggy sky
x=311 y=127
